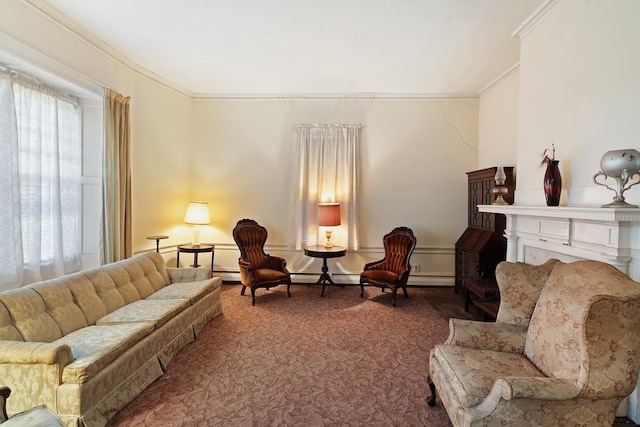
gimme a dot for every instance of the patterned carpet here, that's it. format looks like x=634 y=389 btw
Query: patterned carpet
x=301 y=361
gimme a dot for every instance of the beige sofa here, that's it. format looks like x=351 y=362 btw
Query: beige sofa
x=88 y=343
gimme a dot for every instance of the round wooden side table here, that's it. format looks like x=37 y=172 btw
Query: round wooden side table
x=325 y=253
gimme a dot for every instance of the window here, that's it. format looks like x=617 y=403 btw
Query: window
x=41 y=177
x=328 y=169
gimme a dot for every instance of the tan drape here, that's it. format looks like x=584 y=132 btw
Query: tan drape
x=116 y=179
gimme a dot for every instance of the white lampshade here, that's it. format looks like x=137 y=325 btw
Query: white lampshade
x=197 y=213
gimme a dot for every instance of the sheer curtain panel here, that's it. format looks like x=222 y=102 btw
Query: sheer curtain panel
x=40 y=146
x=116 y=185
x=327 y=169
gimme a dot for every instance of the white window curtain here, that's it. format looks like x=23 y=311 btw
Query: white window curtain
x=40 y=172
x=327 y=169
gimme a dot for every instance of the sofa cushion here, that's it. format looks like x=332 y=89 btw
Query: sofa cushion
x=105 y=289
x=8 y=330
x=193 y=291
x=85 y=296
x=122 y=281
x=95 y=347
x=157 y=312
x=146 y=275
x=61 y=304
x=138 y=279
x=471 y=373
x=29 y=314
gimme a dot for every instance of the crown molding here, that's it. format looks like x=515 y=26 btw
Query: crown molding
x=27 y=55
x=500 y=79
x=331 y=96
x=535 y=18
x=88 y=37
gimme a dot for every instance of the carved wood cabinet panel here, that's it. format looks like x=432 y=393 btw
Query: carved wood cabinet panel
x=482 y=245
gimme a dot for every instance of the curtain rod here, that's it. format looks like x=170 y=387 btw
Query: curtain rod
x=35 y=84
x=323 y=125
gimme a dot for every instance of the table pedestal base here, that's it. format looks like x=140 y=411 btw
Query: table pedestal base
x=325 y=278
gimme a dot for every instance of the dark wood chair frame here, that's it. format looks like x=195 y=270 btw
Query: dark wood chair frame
x=5 y=392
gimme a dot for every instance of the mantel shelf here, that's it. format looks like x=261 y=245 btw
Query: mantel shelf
x=584 y=212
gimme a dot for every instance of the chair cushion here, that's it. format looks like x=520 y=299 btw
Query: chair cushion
x=383 y=276
x=268 y=275
x=471 y=373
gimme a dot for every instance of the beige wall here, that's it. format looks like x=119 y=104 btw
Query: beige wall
x=236 y=154
x=498 y=122
x=579 y=89
x=414 y=157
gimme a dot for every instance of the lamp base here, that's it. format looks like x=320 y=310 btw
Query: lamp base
x=328 y=244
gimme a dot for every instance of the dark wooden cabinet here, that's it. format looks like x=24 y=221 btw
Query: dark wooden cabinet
x=482 y=245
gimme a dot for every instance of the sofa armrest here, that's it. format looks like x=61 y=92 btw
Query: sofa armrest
x=35 y=352
x=487 y=336
x=188 y=274
x=542 y=388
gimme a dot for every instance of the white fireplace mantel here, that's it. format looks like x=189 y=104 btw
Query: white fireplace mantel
x=612 y=235
x=537 y=233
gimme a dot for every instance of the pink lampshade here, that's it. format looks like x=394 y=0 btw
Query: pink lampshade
x=329 y=214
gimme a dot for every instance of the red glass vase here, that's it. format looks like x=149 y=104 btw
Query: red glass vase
x=552 y=183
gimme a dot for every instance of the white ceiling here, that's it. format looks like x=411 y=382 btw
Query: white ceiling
x=281 y=47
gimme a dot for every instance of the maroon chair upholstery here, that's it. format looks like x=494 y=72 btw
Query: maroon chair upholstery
x=258 y=269
x=393 y=270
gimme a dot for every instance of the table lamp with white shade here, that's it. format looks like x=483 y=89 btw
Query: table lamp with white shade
x=328 y=216
x=197 y=215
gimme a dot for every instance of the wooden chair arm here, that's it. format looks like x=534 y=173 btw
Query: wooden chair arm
x=5 y=392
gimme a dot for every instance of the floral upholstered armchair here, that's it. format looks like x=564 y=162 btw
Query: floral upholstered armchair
x=564 y=350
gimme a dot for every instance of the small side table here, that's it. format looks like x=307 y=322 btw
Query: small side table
x=324 y=253
x=157 y=239
x=195 y=250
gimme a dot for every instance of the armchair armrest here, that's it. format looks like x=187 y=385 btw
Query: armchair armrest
x=35 y=352
x=276 y=263
x=188 y=274
x=487 y=336
x=542 y=388
x=5 y=392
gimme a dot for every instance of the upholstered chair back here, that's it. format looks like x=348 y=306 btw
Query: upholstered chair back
x=585 y=326
x=520 y=286
x=398 y=247
x=250 y=238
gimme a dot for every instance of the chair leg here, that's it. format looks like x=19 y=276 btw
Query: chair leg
x=243 y=288
x=431 y=400
x=289 y=289
x=395 y=291
x=253 y=296
x=361 y=290
x=406 y=294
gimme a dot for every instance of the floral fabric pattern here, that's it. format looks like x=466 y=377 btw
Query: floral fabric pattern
x=87 y=343
x=574 y=353
x=520 y=285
